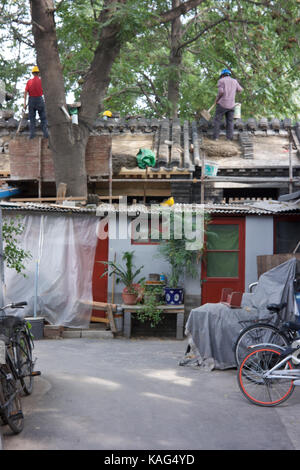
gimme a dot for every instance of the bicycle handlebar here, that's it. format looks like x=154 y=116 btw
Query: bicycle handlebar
x=14 y=305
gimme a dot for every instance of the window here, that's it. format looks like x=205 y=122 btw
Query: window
x=222 y=251
x=146 y=234
x=286 y=234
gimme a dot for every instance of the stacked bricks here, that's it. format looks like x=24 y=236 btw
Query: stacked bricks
x=24 y=158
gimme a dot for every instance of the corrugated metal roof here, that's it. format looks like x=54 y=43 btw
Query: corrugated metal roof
x=252 y=208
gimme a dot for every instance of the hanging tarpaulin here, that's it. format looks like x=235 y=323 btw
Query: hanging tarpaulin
x=2 y=281
x=145 y=157
x=59 y=277
x=37 y=266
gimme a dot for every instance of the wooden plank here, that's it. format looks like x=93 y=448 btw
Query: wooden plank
x=100 y=305
x=44 y=199
x=139 y=172
x=164 y=308
x=267 y=262
x=99 y=320
x=111 y=318
x=61 y=191
x=295 y=139
x=186 y=147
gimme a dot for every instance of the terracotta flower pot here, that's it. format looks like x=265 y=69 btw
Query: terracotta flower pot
x=131 y=298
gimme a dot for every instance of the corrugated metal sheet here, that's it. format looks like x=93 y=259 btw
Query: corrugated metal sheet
x=255 y=208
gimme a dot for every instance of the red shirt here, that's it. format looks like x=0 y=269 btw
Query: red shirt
x=34 y=87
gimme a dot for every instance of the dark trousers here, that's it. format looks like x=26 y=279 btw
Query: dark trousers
x=220 y=112
x=36 y=104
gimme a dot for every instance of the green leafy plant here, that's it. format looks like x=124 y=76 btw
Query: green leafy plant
x=181 y=259
x=126 y=275
x=14 y=256
x=150 y=310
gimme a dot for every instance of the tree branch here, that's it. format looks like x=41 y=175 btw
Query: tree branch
x=182 y=9
x=211 y=26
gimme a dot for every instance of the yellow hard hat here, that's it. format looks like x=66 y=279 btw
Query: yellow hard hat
x=169 y=202
x=35 y=69
x=107 y=113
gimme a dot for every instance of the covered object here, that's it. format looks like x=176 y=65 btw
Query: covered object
x=213 y=328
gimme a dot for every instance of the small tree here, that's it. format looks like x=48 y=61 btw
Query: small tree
x=175 y=251
x=13 y=255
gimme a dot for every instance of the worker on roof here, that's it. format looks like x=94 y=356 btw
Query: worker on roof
x=225 y=101
x=107 y=114
x=36 y=102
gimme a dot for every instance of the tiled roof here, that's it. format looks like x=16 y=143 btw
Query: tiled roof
x=178 y=146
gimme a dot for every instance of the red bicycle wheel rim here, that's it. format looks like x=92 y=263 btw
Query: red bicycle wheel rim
x=265 y=403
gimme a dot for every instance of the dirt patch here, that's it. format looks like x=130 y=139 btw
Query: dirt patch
x=220 y=148
x=118 y=161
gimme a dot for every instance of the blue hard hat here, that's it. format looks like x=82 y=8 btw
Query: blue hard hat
x=224 y=71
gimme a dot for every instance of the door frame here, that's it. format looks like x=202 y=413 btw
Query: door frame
x=102 y=251
x=241 y=221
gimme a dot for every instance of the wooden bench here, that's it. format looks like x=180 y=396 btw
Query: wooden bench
x=178 y=310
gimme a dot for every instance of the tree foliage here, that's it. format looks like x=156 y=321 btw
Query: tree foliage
x=14 y=256
x=257 y=40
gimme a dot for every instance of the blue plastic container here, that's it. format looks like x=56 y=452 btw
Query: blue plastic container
x=297 y=297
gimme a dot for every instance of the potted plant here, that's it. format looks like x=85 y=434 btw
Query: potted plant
x=150 y=303
x=181 y=260
x=127 y=275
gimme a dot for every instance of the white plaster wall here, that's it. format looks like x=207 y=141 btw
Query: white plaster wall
x=259 y=241
x=148 y=256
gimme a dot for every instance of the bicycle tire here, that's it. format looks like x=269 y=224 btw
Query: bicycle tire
x=257 y=334
x=12 y=414
x=262 y=391
x=24 y=363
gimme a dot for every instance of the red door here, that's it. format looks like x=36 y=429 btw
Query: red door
x=223 y=263
x=100 y=285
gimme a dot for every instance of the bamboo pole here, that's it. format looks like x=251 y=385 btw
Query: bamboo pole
x=40 y=167
x=113 y=282
x=110 y=174
x=210 y=179
x=290 y=167
x=202 y=177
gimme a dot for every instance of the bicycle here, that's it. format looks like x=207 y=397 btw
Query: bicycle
x=261 y=332
x=16 y=364
x=267 y=376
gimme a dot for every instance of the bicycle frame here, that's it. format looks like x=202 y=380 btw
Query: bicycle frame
x=283 y=374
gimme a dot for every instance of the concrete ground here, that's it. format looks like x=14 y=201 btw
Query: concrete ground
x=131 y=394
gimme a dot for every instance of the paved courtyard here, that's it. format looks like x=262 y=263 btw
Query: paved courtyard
x=131 y=394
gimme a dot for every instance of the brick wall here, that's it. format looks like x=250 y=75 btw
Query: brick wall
x=24 y=158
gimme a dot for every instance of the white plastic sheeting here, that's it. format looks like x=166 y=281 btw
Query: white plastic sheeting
x=59 y=275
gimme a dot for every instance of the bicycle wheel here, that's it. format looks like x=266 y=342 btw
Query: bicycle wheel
x=12 y=412
x=257 y=388
x=259 y=333
x=24 y=363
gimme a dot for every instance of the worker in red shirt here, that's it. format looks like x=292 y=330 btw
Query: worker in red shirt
x=36 y=102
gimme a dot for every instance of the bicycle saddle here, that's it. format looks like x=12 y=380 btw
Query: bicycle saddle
x=276 y=307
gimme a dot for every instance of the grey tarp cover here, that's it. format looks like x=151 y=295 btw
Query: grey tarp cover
x=213 y=328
